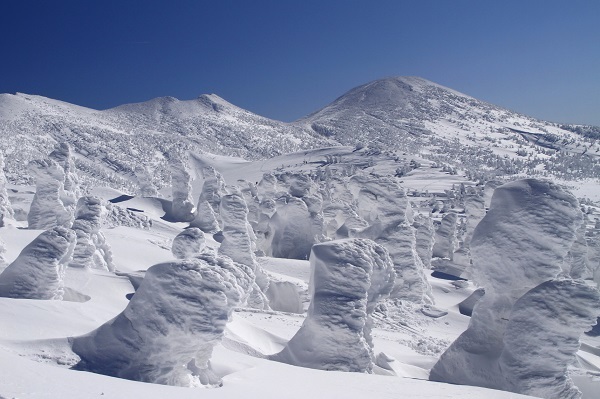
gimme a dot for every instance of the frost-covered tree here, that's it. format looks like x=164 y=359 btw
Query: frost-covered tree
x=71 y=190
x=384 y=205
x=92 y=251
x=188 y=243
x=6 y=211
x=47 y=209
x=182 y=207
x=145 y=184
x=518 y=250
x=167 y=333
x=349 y=277
x=38 y=272
x=237 y=244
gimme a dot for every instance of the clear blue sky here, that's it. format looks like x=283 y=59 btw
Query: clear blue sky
x=284 y=59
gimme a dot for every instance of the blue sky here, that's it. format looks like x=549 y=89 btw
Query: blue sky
x=284 y=59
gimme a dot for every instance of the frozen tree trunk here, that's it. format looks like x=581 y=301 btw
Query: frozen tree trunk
x=189 y=243
x=348 y=278
x=47 y=209
x=182 y=207
x=38 y=271
x=92 y=251
x=167 y=333
x=521 y=243
x=6 y=210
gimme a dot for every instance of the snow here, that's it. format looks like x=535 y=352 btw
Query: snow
x=348 y=279
x=518 y=248
x=38 y=272
x=420 y=148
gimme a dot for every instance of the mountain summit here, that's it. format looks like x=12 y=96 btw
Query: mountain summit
x=409 y=114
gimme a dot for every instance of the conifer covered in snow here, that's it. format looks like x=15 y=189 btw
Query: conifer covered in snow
x=518 y=249
x=47 y=209
x=6 y=211
x=237 y=244
x=348 y=278
x=167 y=333
x=91 y=250
x=62 y=156
x=384 y=205
x=188 y=243
x=38 y=272
x=144 y=180
x=182 y=207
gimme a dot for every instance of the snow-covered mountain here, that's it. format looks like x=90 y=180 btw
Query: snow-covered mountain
x=408 y=114
x=421 y=117
x=108 y=144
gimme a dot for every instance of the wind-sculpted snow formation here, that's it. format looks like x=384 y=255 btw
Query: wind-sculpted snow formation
x=292 y=229
x=542 y=337
x=38 y=271
x=182 y=207
x=2 y=258
x=188 y=243
x=92 y=251
x=577 y=264
x=348 y=278
x=144 y=180
x=47 y=209
x=425 y=238
x=474 y=205
x=208 y=208
x=237 y=244
x=167 y=333
x=70 y=190
x=445 y=237
x=519 y=245
x=6 y=211
x=384 y=205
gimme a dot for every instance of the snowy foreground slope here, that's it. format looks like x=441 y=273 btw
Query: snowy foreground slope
x=408 y=338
